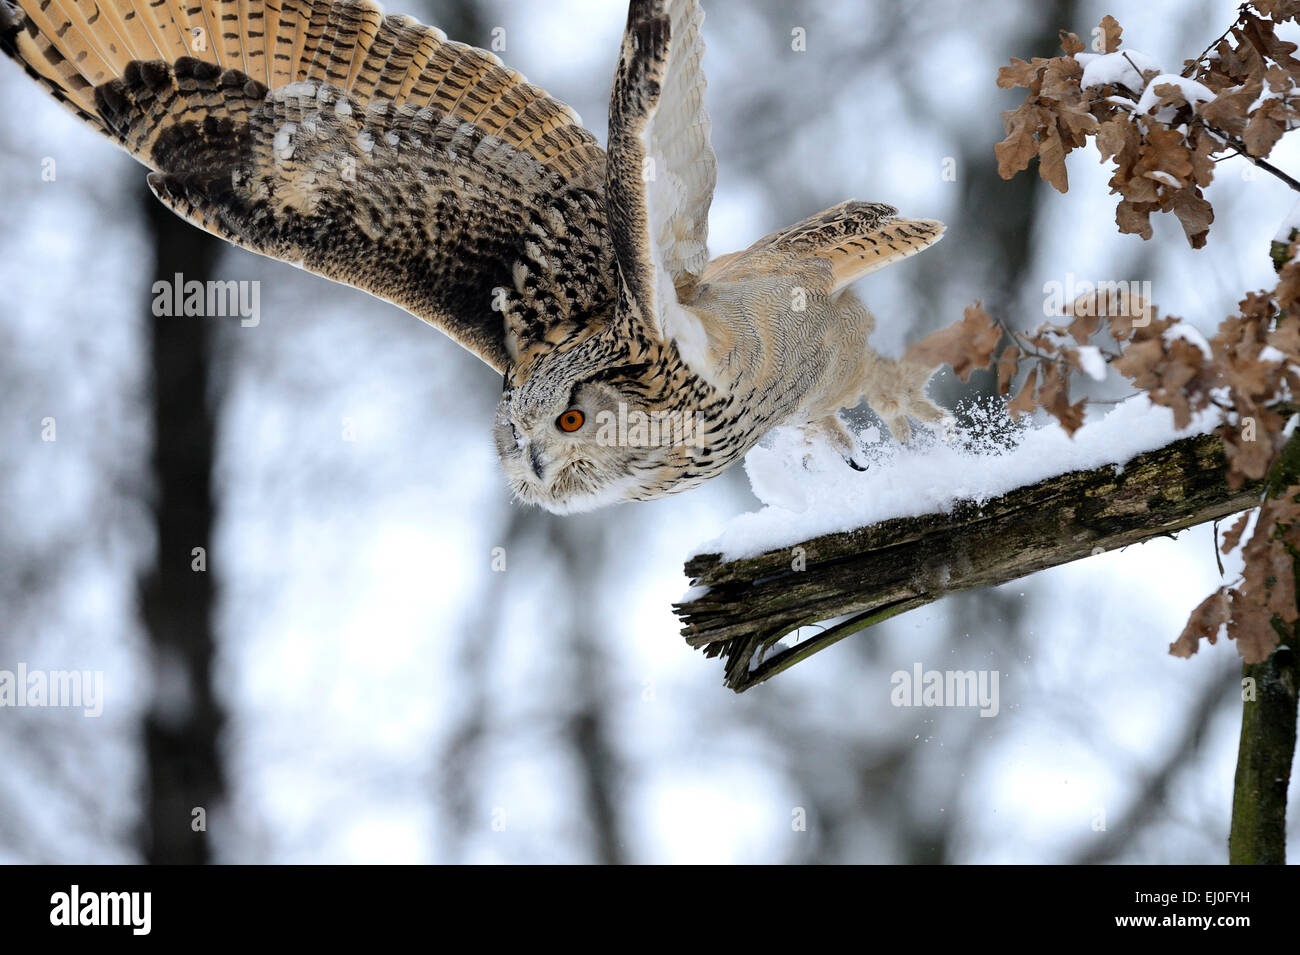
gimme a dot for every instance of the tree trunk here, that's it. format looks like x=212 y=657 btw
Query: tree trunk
x=182 y=727
x=1268 y=734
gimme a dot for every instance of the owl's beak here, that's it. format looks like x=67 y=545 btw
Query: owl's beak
x=526 y=446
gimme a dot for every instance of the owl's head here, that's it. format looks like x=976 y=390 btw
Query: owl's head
x=580 y=433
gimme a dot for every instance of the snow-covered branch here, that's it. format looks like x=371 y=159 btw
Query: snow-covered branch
x=741 y=608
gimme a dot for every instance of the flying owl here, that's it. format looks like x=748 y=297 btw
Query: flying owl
x=372 y=150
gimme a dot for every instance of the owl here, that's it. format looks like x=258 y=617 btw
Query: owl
x=372 y=150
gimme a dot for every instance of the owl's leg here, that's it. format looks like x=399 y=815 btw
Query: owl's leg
x=919 y=406
x=896 y=390
x=831 y=429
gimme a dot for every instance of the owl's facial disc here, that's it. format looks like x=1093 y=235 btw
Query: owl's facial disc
x=559 y=450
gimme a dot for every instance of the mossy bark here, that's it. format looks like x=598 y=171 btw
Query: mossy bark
x=1268 y=734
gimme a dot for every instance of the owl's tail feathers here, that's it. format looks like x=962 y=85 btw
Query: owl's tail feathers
x=855 y=238
x=858 y=238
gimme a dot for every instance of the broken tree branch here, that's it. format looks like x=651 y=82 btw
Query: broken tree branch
x=879 y=571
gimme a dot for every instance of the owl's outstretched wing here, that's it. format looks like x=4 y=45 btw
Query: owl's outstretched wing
x=366 y=148
x=662 y=170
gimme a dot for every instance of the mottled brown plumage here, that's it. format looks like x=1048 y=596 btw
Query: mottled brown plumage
x=372 y=150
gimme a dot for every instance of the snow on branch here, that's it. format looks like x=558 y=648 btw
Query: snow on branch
x=741 y=608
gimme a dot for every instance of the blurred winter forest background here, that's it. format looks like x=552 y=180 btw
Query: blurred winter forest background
x=350 y=680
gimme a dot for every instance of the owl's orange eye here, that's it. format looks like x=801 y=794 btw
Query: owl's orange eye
x=571 y=420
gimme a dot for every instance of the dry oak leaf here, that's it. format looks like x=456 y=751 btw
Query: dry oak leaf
x=1252 y=628
x=1288 y=295
x=1210 y=615
x=1286 y=337
x=1262 y=35
x=1118 y=137
x=1054 y=398
x=1134 y=218
x=1071 y=43
x=1251 y=378
x=964 y=346
x=1195 y=213
x=1203 y=160
x=1024 y=403
x=1164 y=155
x=1257 y=311
x=1266 y=126
x=1268 y=585
x=1236 y=62
x=1232 y=536
x=1076 y=123
x=1087 y=310
x=1227 y=111
x=1069 y=416
x=1022 y=73
x=1278 y=10
x=1111 y=32
x=1168 y=95
x=1060 y=81
x=1021 y=143
x=1008 y=365
x=1172 y=370
x=1051 y=161
x=1123 y=318
x=1247 y=459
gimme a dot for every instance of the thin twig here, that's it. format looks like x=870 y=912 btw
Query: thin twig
x=1263 y=164
x=1217 y=558
x=1192 y=64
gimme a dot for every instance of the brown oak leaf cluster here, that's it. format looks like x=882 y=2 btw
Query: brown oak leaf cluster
x=1260 y=609
x=1247 y=371
x=964 y=346
x=1161 y=133
x=1241 y=95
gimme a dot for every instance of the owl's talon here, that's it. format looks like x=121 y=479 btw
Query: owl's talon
x=855 y=465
